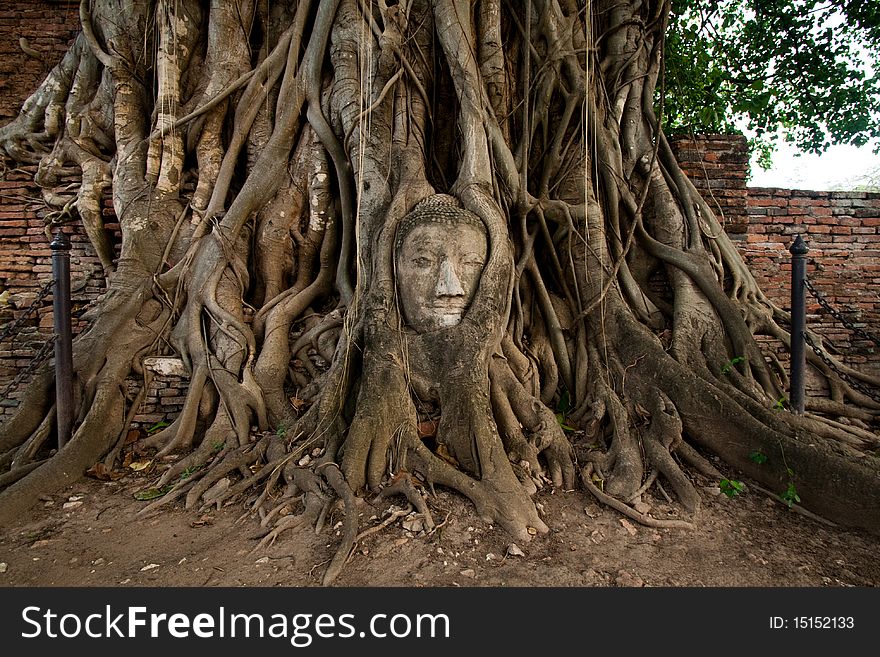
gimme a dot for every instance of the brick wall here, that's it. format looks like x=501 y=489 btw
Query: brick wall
x=718 y=165
x=47 y=28
x=841 y=229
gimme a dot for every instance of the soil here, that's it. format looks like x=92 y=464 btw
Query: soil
x=89 y=536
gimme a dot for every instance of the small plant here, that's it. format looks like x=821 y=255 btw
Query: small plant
x=281 y=431
x=731 y=487
x=216 y=447
x=780 y=403
x=152 y=493
x=758 y=457
x=156 y=427
x=186 y=474
x=790 y=496
x=728 y=366
x=560 y=418
x=562 y=410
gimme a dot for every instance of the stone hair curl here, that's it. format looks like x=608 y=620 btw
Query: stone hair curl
x=436 y=209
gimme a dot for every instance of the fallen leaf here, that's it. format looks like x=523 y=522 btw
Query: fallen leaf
x=149 y=566
x=532 y=531
x=98 y=471
x=628 y=526
x=151 y=493
x=203 y=521
x=137 y=466
x=428 y=428
x=443 y=452
x=3 y=567
x=513 y=550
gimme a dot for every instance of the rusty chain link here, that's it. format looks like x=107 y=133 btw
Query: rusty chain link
x=13 y=326
x=11 y=329
x=826 y=358
x=45 y=349
x=836 y=314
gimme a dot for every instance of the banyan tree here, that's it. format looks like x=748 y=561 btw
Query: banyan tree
x=399 y=245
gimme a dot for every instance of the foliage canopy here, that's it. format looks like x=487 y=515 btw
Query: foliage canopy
x=793 y=70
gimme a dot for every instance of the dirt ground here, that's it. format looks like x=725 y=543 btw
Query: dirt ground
x=89 y=536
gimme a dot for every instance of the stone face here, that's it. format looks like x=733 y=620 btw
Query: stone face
x=441 y=250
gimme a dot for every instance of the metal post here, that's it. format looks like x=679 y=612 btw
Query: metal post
x=798 y=252
x=63 y=336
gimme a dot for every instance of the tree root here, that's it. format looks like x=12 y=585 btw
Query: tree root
x=628 y=511
x=333 y=474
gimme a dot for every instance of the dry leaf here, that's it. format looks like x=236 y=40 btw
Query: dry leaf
x=443 y=452
x=513 y=550
x=628 y=526
x=137 y=466
x=428 y=428
x=100 y=472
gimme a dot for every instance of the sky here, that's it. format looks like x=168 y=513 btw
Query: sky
x=840 y=167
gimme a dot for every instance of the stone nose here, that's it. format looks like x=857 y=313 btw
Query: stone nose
x=448 y=284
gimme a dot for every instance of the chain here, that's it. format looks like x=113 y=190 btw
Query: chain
x=45 y=349
x=839 y=316
x=13 y=326
x=856 y=384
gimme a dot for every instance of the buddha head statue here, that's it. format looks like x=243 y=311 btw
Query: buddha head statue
x=440 y=250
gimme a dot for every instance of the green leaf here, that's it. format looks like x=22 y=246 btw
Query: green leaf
x=790 y=496
x=564 y=405
x=731 y=487
x=188 y=472
x=560 y=418
x=728 y=366
x=152 y=493
x=156 y=427
x=758 y=457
